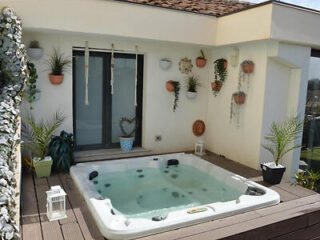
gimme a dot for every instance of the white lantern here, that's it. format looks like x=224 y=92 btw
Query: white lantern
x=56 y=203
x=199 y=147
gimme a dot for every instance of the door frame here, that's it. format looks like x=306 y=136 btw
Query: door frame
x=107 y=100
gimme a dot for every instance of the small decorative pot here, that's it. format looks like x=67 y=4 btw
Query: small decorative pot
x=165 y=63
x=42 y=166
x=191 y=95
x=35 y=53
x=272 y=175
x=126 y=143
x=56 y=79
x=169 y=86
x=216 y=86
x=225 y=64
x=247 y=67
x=201 y=62
x=239 y=98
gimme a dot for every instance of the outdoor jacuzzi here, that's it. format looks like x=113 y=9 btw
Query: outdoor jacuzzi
x=135 y=197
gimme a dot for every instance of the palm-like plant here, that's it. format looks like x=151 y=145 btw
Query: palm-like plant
x=58 y=63
x=193 y=84
x=37 y=136
x=282 y=136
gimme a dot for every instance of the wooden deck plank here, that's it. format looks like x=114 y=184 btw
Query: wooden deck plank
x=50 y=230
x=55 y=180
x=284 y=195
x=295 y=189
x=302 y=234
x=31 y=229
x=71 y=231
x=85 y=220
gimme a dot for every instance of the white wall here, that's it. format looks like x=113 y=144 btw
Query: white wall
x=241 y=143
x=158 y=118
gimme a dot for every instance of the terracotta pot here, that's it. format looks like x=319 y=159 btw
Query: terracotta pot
x=248 y=67
x=225 y=64
x=56 y=79
x=169 y=86
x=216 y=86
x=239 y=98
x=201 y=62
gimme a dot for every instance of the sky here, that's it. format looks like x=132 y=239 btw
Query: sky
x=315 y=4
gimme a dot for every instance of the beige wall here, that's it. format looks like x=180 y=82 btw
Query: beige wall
x=158 y=117
x=114 y=18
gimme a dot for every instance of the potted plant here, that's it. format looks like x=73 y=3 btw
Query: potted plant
x=58 y=65
x=220 y=74
x=201 y=61
x=34 y=51
x=127 y=139
x=192 y=86
x=61 y=151
x=281 y=141
x=37 y=137
x=174 y=86
x=239 y=97
x=247 y=66
x=33 y=94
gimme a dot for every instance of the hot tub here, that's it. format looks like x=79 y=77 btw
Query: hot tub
x=135 y=197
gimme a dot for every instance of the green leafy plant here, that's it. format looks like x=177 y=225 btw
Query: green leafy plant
x=192 y=84
x=61 y=151
x=31 y=83
x=309 y=180
x=58 y=63
x=220 y=69
x=34 y=44
x=37 y=135
x=202 y=55
x=176 y=85
x=282 y=136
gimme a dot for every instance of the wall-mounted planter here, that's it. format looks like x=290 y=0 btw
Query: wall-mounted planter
x=239 y=98
x=165 y=63
x=216 y=86
x=56 y=79
x=185 y=65
x=191 y=95
x=35 y=53
x=201 y=62
x=170 y=86
x=247 y=66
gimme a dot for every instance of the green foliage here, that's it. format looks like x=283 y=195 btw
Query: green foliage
x=192 y=84
x=220 y=70
x=37 y=136
x=282 y=136
x=61 y=151
x=58 y=63
x=309 y=179
x=202 y=54
x=176 y=85
x=31 y=83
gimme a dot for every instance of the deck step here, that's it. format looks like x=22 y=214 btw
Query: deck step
x=108 y=154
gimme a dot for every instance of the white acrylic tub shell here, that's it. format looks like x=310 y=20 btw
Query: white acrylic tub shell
x=118 y=227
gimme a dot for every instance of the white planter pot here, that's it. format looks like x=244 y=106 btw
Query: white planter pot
x=35 y=53
x=191 y=95
x=165 y=63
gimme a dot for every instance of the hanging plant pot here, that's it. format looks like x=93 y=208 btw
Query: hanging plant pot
x=239 y=98
x=201 y=62
x=56 y=79
x=191 y=95
x=216 y=86
x=170 y=86
x=165 y=63
x=247 y=66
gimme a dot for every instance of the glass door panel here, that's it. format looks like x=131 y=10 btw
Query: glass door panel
x=89 y=117
x=124 y=94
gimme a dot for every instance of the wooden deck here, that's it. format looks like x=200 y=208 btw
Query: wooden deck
x=296 y=217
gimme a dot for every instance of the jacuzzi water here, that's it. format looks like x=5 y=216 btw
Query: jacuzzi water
x=135 y=197
x=157 y=191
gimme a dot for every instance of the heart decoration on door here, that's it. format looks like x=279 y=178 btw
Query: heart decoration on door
x=128 y=121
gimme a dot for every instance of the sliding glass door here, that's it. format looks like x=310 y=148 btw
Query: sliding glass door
x=96 y=118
